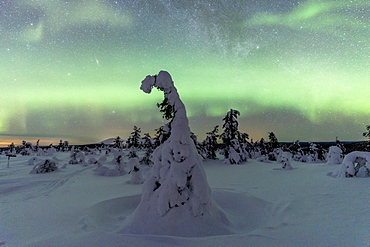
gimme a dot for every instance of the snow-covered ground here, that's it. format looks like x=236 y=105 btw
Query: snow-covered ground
x=266 y=206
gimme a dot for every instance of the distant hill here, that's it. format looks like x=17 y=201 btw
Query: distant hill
x=109 y=141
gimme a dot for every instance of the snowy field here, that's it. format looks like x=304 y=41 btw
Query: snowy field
x=265 y=206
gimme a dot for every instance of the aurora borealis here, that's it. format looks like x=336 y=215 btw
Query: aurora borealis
x=72 y=69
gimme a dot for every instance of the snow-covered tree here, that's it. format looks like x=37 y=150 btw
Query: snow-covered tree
x=147 y=158
x=234 y=152
x=118 y=142
x=339 y=144
x=316 y=153
x=44 y=166
x=296 y=150
x=176 y=192
x=284 y=159
x=12 y=148
x=132 y=153
x=210 y=144
x=59 y=147
x=271 y=147
x=273 y=141
x=355 y=164
x=63 y=146
x=77 y=157
x=37 y=146
x=147 y=143
x=135 y=171
x=134 y=139
x=335 y=155
x=25 y=149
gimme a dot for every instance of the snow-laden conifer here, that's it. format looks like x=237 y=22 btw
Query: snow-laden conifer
x=335 y=155
x=210 y=144
x=234 y=152
x=176 y=198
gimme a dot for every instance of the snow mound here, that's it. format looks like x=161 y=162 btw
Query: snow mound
x=245 y=213
x=108 y=215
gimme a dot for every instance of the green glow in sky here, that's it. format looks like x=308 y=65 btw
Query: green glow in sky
x=72 y=69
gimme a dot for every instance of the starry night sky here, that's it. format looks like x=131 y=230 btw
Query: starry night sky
x=72 y=69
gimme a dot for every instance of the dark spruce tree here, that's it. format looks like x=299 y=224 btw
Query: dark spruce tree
x=273 y=142
x=134 y=140
x=296 y=150
x=117 y=143
x=210 y=144
x=147 y=143
x=340 y=145
x=233 y=151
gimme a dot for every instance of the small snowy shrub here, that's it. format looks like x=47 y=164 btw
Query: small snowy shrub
x=334 y=155
x=132 y=153
x=284 y=159
x=44 y=167
x=119 y=166
x=32 y=161
x=77 y=157
x=233 y=157
x=135 y=171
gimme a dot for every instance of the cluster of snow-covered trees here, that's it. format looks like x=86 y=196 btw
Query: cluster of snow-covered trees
x=231 y=145
x=175 y=187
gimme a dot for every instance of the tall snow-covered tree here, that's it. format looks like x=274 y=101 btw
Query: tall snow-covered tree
x=273 y=141
x=233 y=151
x=230 y=127
x=296 y=150
x=210 y=144
x=134 y=139
x=176 y=195
x=147 y=143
